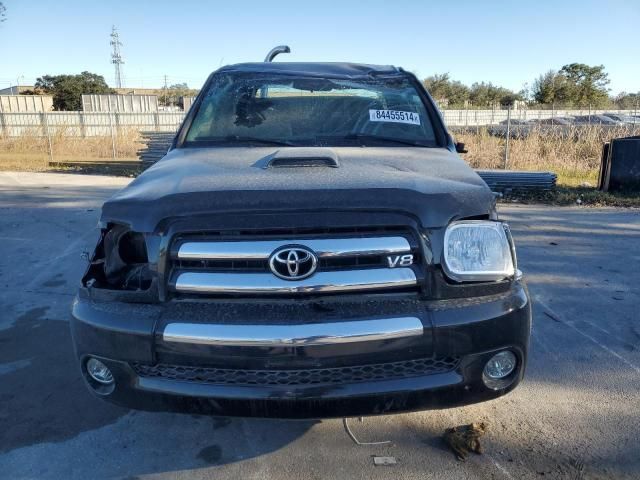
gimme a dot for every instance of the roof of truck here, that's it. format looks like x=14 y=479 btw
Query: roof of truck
x=318 y=69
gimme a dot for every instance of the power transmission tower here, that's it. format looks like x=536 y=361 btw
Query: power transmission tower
x=116 y=59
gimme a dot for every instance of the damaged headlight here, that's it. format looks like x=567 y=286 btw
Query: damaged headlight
x=120 y=261
x=122 y=250
x=478 y=250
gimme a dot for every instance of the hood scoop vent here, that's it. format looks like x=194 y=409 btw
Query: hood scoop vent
x=303 y=157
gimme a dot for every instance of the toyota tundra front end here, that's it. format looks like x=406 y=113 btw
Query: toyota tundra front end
x=312 y=246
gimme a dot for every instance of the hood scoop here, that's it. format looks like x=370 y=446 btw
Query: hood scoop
x=303 y=157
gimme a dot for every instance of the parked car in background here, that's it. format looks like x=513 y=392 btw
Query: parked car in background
x=514 y=121
x=551 y=121
x=625 y=119
x=594 y=120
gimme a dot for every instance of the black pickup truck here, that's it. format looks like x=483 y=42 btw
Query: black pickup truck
x=311 y=246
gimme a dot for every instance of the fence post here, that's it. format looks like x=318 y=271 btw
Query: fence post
x=156 y=121
x=117 y=120
x=3 y=124
x=45 y=127
x=589 y=114
x=83 y=128
x=506 y=146
x=113 y=138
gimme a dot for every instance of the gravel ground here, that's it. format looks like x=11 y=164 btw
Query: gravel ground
x=576 y=415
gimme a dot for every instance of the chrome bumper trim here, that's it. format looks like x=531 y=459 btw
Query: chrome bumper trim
x=321 y=282
x=293 y=335
x=324 y=248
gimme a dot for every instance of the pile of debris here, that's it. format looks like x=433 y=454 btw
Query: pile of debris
x=507 y=181
x=156 y=145
x=620 y=165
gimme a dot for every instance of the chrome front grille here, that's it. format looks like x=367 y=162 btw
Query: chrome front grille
x=240 y=265
x=261 y=249
x=321 y=282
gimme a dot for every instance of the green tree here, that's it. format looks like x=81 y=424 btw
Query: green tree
x=458 y=93
x=67 y=90
x=627 y=101
x=445 y=91
x=3 y=10
x=452 y=93
x=551 y=88
x=437 y=85
x=488 y=95
x=173 y=94
x=587 y=85
x=575 y=84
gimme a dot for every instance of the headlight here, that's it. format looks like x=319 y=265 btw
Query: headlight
x=478 y=250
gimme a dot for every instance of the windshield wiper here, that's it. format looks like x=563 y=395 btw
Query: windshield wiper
x=239 y=138
x=366 y=136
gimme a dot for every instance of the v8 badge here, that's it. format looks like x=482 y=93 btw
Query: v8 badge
x=399 y=260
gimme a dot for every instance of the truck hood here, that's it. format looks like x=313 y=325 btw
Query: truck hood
x=431 y=184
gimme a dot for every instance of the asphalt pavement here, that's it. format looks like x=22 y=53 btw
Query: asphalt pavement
x=576 y=415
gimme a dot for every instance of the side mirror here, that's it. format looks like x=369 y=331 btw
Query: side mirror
x=460 y=148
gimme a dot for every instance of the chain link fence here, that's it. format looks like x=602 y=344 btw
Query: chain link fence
x=59 y=137
x=551 y=116
x=81 y=136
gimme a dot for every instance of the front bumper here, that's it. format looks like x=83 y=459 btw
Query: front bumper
x=127 y=336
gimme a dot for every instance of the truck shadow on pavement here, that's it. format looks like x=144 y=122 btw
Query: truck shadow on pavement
x=51 y=426
x=43 y=397
x=46 y=406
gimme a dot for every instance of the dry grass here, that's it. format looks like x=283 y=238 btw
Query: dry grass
x=30 y=152
x=573 y=154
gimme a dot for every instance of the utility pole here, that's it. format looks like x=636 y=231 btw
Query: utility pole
x=166 y=91
x=116 y=58
x=18 y=85
x=508 y=136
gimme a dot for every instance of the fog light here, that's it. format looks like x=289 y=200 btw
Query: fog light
x=99 y=371
x=500 y=365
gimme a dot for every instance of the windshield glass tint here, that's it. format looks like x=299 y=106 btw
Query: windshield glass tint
x=309 y=111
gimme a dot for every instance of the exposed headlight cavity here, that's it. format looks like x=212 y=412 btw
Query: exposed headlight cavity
x=120 y=261
x=478 y=250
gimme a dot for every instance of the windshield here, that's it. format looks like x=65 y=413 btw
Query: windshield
x=307 y=111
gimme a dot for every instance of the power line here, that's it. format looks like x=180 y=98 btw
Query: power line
x=116 y=58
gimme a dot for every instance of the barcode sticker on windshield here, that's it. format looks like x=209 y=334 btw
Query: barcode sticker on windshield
x=394 y=116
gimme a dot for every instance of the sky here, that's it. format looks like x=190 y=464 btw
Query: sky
x=508 y=43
